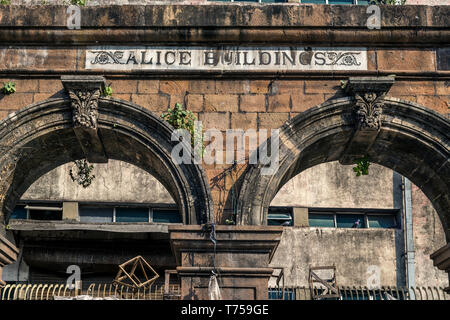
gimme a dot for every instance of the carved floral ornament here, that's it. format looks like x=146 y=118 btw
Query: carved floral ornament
x=84 y=92
x=85 y=107
x=369 y=93
x=368 y=109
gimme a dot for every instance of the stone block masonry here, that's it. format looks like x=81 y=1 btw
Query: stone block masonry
x=245 y=67
x=226 y=78
x=228 y=103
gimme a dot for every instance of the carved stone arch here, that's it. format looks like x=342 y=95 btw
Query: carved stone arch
x=47 y=134
x=403 y=136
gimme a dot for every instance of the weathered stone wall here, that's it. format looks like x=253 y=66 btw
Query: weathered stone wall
x=428 y=2
x=197 y=2
x=115 y=181
x=344 y=247
x=253 y=100
x=428 y=237
x=331 y=185
x=351 y=251
x=334 y=186
x=406 y=46
x=229 y=104
x=326 y=185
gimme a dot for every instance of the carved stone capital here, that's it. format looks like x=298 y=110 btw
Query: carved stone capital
x=368 y=110
x=369 y=93
x=84 y=92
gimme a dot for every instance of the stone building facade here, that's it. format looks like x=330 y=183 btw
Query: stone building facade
x=304 y=89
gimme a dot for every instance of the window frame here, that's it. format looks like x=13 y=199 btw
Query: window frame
x=378 y=214
x=288 y=210
x=327 y=213
x=348 y=213
x=57 y=205
x=394 y=213
x=25 y=208
x=149 y=206
x=40 y=206
x=165 y=209
x=132 y=207
x=92 y=206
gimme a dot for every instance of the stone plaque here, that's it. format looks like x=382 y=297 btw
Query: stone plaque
x=239 y=59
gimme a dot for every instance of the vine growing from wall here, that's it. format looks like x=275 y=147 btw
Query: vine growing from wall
x=81 y=173
x=362 y=166
x=8 y=88
x=180 y=118
x=80 y=3
x=107 y=91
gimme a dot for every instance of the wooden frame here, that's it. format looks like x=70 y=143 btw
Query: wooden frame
x=331 y=287
x=136 y=282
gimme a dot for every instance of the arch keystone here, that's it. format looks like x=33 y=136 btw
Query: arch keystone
x=368 y=94
x=84 y=92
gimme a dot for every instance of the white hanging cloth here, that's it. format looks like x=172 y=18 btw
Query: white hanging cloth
x=213 y=288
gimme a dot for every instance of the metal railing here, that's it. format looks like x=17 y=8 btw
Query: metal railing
x=43 y=291
x=361 y=293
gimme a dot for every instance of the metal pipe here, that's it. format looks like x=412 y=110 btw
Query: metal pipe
x=409 y=236
x=43 y=208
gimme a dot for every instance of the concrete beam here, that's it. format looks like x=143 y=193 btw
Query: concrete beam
x=57 y=255
x=38 y=225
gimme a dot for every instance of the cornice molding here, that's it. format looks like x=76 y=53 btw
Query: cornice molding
x=225 y=23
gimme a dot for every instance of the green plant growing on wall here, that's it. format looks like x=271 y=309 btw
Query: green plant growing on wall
x=83 y=175
x=5 y=2
x=343 y=84
x=80 y=3
x=108 y=91
x=229 y=221
x=362 y=166
x=185 y=119
x=9 y=87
